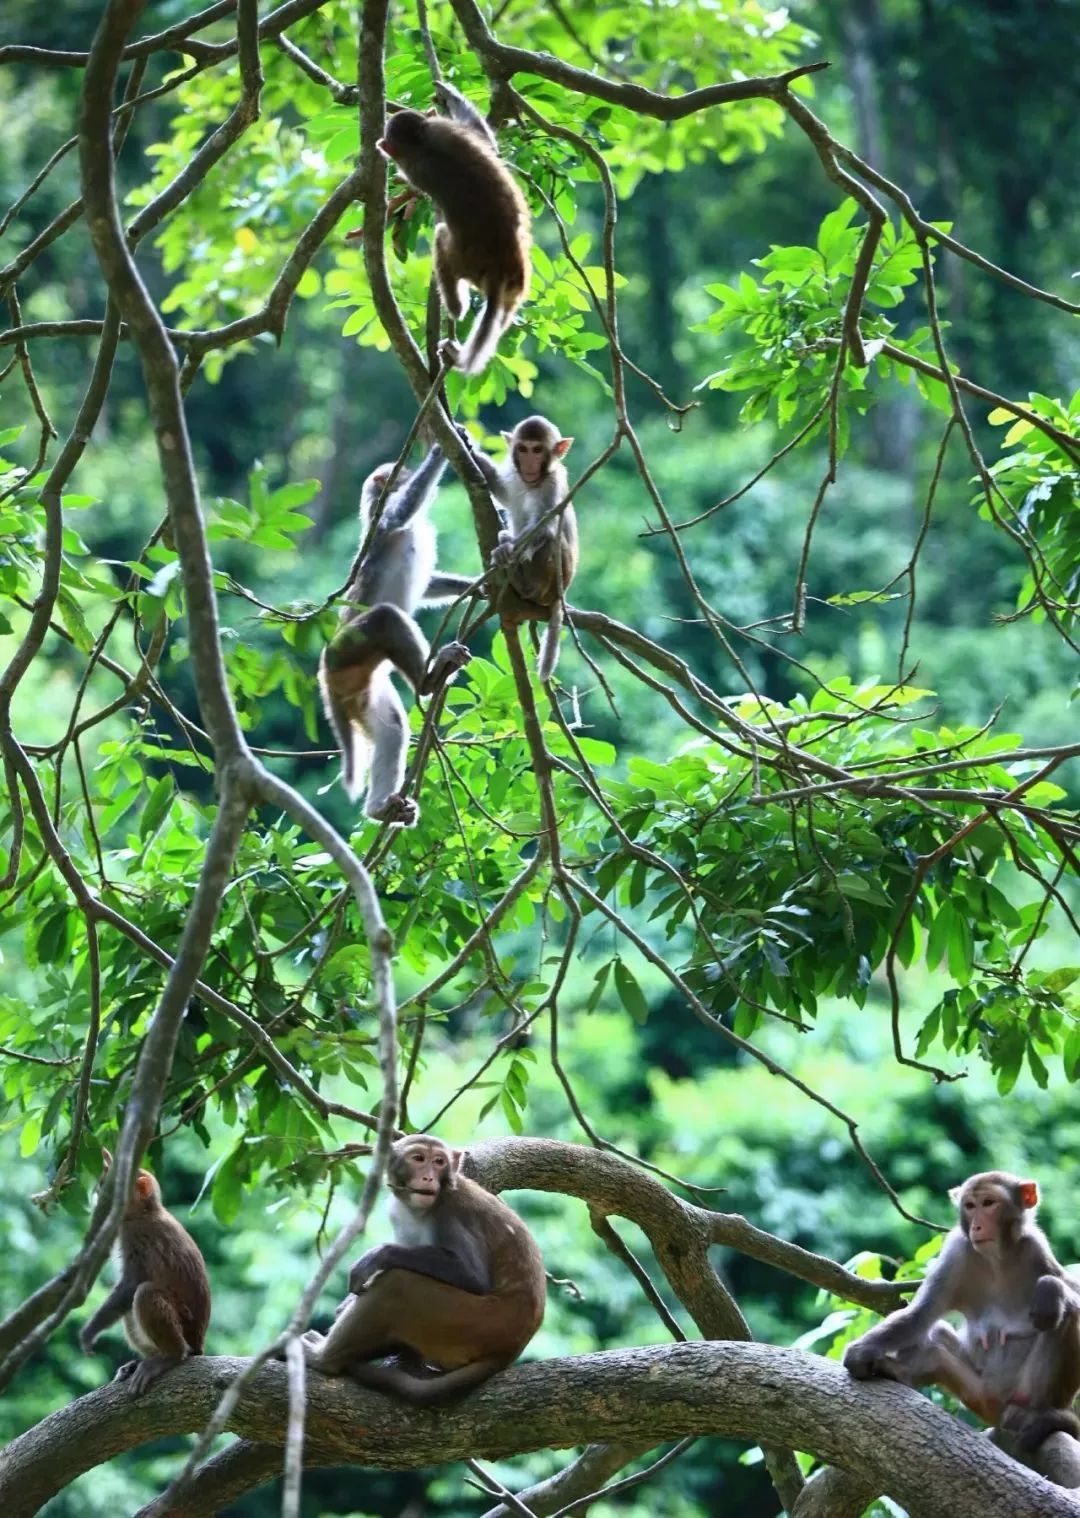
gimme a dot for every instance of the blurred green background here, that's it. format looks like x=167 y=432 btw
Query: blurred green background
x=972 y=108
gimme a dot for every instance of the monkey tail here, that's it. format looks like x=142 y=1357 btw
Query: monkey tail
x=549 y=645
x=488 y=327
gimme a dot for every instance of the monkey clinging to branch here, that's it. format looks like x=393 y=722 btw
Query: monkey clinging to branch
x=395 y=574
x=483 y=238
x=540 y=550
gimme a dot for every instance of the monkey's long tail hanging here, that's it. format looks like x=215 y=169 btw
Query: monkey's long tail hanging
x=549 y=645
x=500 y=304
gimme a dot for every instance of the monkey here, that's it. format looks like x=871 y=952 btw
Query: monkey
x=163 y=1293
x=484 y=236
x=396 y=574
x=454 y=104
x=461 y=1288
x=542 y=559
x=1016 y=1360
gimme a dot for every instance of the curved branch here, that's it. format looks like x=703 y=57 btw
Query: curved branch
x=680 y=1232
x=904 y=1445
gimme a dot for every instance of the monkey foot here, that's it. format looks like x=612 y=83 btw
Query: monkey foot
x=446 y=663
x=141 y=1374
x=449 y=353
x=398 y=809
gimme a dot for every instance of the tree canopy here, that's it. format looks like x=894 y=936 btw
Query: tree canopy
x=779 y=873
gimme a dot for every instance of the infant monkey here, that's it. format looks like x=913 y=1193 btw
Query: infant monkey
x=396 y=574
x=540 y=549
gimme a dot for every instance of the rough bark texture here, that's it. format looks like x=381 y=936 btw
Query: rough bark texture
x=900 y=1442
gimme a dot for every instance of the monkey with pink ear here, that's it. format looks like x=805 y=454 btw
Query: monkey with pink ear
x=1016 y=1360
x=539 y=550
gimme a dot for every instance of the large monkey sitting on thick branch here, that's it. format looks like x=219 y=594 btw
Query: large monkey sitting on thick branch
x=461 y=1289
x=1016 y=1361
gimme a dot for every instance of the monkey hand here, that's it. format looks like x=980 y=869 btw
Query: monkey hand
x=864 y=1361
x=446 y=663
x=449 y=353
x=397 y=809
x=365 y=1268
x=1048 y=1304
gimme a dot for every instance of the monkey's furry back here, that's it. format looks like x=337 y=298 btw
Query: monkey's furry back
x=478 y=196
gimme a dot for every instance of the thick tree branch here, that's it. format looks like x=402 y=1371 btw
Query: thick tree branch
x=903 y=1445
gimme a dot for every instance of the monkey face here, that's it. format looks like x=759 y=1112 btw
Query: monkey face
x=419 y=1169
x=532 y=459
x=991 y=1210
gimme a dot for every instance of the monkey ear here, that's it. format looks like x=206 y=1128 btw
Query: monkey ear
x=457 y=1157
x=1029 y=1193
x=144 y=1185
x=954 y=1195
x=562 y=447
x=508 y=437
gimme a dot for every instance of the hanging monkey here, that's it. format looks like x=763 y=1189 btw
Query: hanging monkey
x=396 y=574
x=484 y=236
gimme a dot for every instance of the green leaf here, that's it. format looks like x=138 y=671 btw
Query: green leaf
x=630 y=993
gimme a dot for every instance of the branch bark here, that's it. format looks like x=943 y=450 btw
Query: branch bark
x=903 y=1445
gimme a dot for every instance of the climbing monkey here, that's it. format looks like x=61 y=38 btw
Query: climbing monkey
x=540 y=548
x=484 y=236
x=396 y=574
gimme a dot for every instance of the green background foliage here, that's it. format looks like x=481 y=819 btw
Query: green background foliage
x=784 y=919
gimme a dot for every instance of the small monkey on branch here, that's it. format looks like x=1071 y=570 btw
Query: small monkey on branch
x=1016 y=1360
x=396 y=575
x=540 y=548
x=163 y=1293
x=484 y=236
x=456 y=1296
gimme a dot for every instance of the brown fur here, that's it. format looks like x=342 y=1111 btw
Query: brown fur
x=163 y=1293
x=484 y=237
x=469 y=1334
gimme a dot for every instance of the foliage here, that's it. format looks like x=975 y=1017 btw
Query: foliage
x=760 y=833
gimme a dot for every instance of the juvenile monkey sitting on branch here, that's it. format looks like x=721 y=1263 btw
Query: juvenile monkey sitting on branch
x=456 y=1296
x=395 y=575
x=163 y=1294
x=540 y=547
